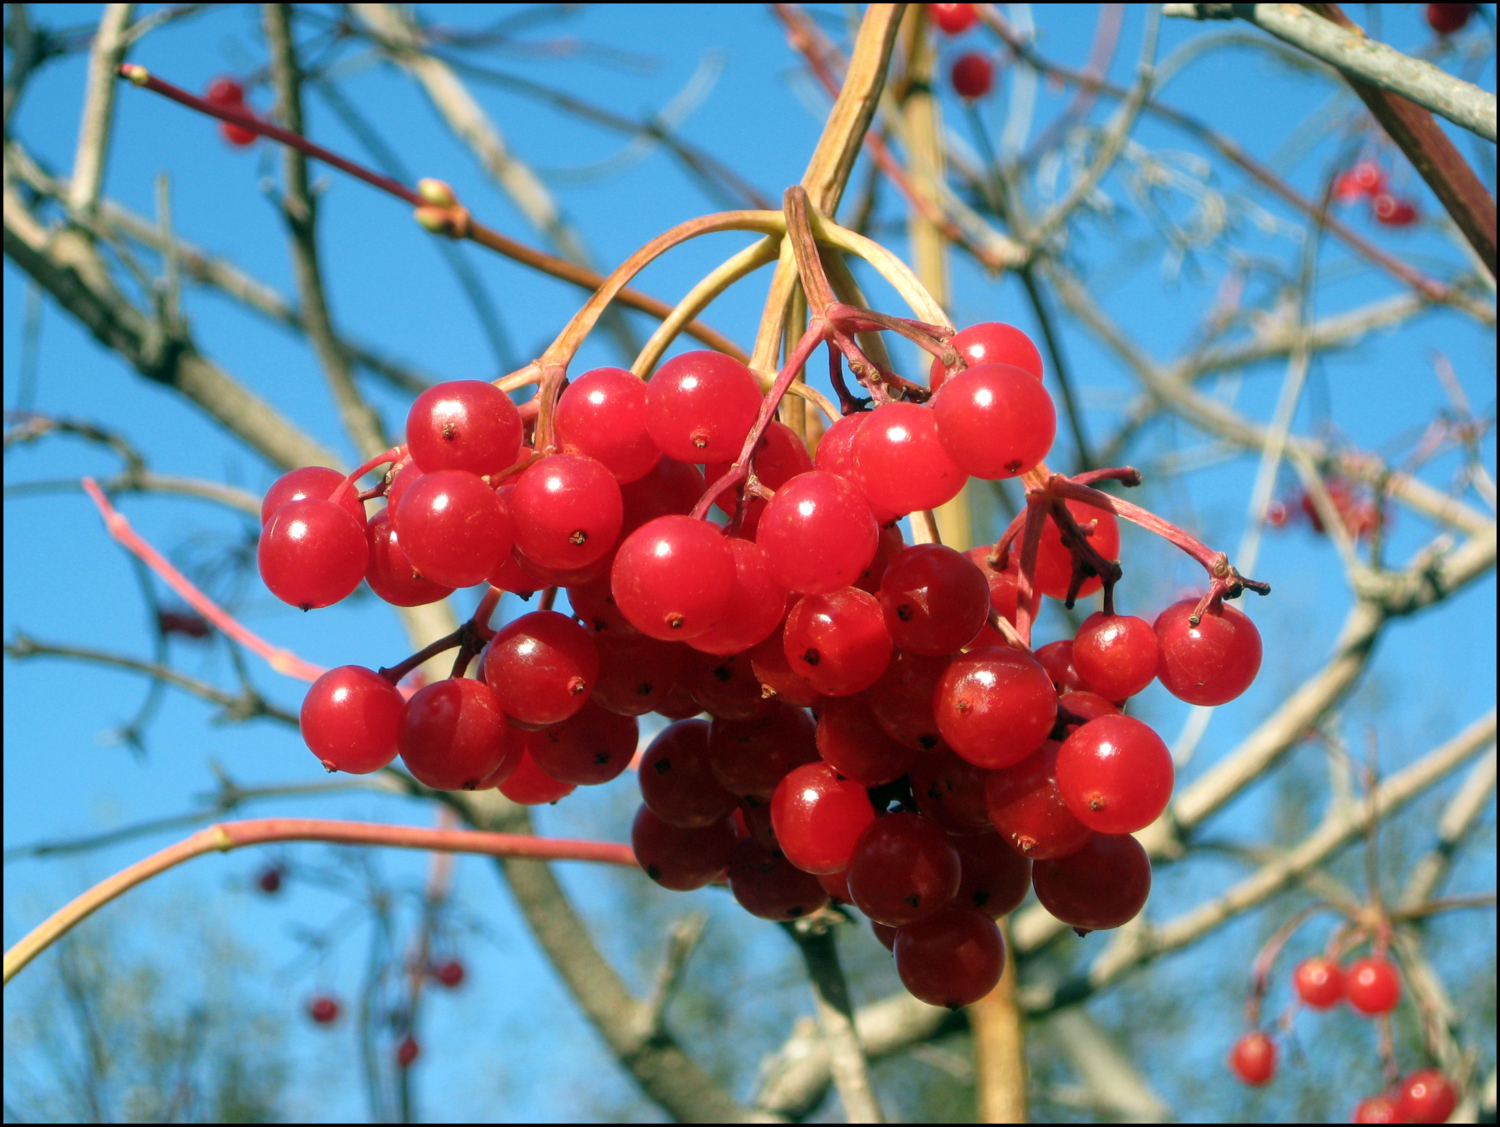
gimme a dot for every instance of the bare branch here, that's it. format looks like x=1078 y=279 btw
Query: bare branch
x=1458 y=818
x=1114 y=1085
x=1417 y=80
x=846 y=1057
x=300 y=209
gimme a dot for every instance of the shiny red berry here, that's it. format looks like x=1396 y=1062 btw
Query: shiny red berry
x=817 y=816
x=1373 y=985
x=1253 y=1059
x=465 y=425
x=1210 y=663
x=351 y=720
x=1319 y=982
x=1426 y=1096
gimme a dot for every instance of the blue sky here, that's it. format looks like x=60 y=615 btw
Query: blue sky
x=66 y=582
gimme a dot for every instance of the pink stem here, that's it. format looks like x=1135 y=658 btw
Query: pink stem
x=740 y=471
x=283 y=661
x=394 y=454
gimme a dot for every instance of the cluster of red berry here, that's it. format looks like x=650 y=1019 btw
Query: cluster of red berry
x=1372 y=987
x=229 y=94
x=1359 y=512
x=809 y=600
x=1367 y=181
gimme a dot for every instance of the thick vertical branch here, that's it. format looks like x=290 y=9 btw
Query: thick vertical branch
x=999 y=1030
x=300 y=208
x=106 y=54
x=846 y=1057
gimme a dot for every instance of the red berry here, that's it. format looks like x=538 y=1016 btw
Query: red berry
x=603 y=414
x=836 y=456
x=406 y=1052
x=954 y=19
x=838 y=642
x=1115 y=775
x=454 y=735
x=902 y=699
x=1426 y=1096
x=351 y=720
x=724 y=686
x=541 y=668
x=973 y=75
x=950 y=791
x=903 y=869
x=990 y=342
x=269 y=881
x=1102 y=885
x=900 y=464
x=1445 y=19
x=590 y=748
x=770 y=667
x=1393 y=211
x=670 y=489
x=890 y=545
x=389 y=571
x=1211 y=663
x=1319 y=982
x=1372 y=985
x=1253 y=1059
x=673 y=577
x=528 y=785
x=995 y=420
x=1054 y=561
x=818 y=533
x=1377 y=1109
x=1085 y=706
x=677 y=858
x=465 y=425
x=594 y=604
x=1057 y=659
x=767 y=885
x=1365 y=179
x=1002 y=583
x=1115 y=656
x=1024 y=804
x=951 y=959
x=885 y=933
x=995 y=877
x=312 y=553
x=756 y=607
x=453 y=528
x=852 y=742
x=679 y=704
x=677 y=782
x=751 y=757
x=700 y=407
x=228 y=92
x=752 y=819
x=935 y=600
x=318 y=482
x=995 y=706
x=449 y=973
x=567 y=511
x=323 y=1010
x=817 y=816
x=837 y=887
x=635 y=673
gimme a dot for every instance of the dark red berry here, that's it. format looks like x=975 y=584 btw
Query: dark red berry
x=903 y=869
x=677 y=858
x=951 y=959
x=973 y=75
x=1103 y=885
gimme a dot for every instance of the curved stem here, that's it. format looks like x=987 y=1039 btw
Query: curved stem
x=226 y=836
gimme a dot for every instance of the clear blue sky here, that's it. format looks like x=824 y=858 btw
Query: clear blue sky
x=65 y=581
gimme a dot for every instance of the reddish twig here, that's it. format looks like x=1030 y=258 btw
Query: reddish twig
x=226 y=836
x=281 y=660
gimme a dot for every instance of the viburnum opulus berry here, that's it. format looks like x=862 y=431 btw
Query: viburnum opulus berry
x=1102 y=885
x=1426 y=1096
x=935 y=600
x=818 y=533
x=700 y=407
x=673 y=577
x=756 y=606
x=677 y=781
x=453 y=528
x=318 y=482
x=1210 y=663
x=838 y=642
x=995 y=877
x=1026 y=807
x=464 y=425
x=817 y=816
x=541 y=668
x=749 y=758
x=312 y=553
x=527 y=784
x=449 y=973
x=902 y=698
x=455 y=737
x=1373 y=985
x=681 y=858
x=323 y=1009
x=229 y=94
x=995 y=420
x=973 y=75
x=836 y=456
x=995 y=706
x=591 y=747
x=351 y=720
x=1319 y=982
x=567 y=511
x=389 y=571
x=953 y=19
x=1115 y=655
x=950 y=791
x=903 y=869
x=952 y=959
x=602 y=413
x=990 y=342
x=767 y=885
x=852 y=742
x=1253 y=1059
x=899 y=462
x=1115 y=775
